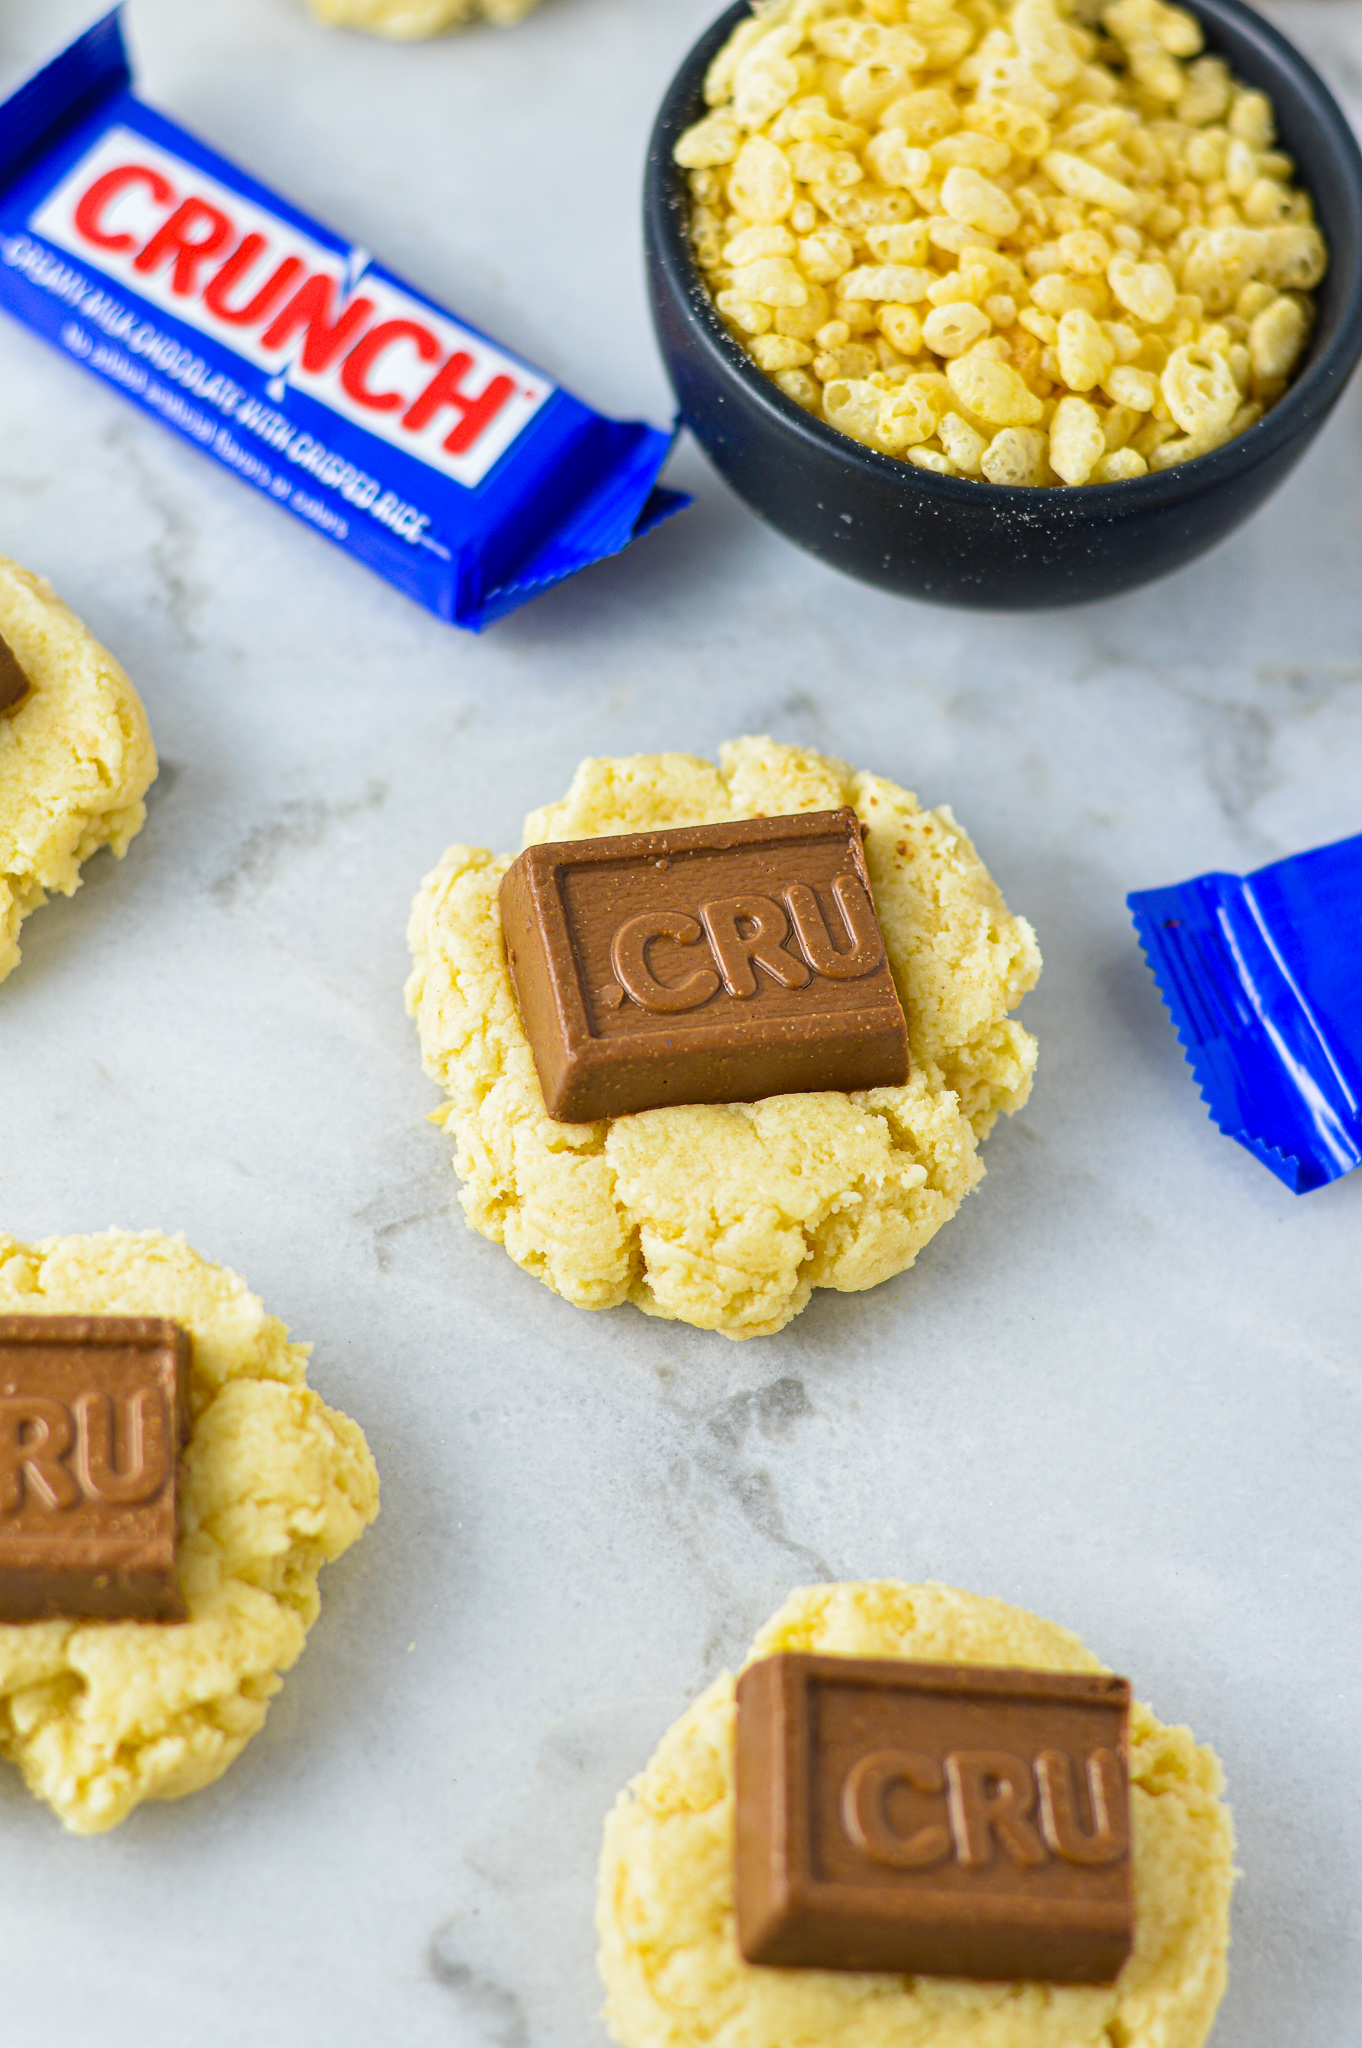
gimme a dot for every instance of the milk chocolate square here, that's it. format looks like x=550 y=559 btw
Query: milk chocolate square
x=13 y=681
x=933 y=1819
x=712 y=963
x=93 y=1413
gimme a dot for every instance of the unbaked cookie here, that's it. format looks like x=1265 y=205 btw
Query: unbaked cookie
x=408 y=20
x=102 y=1715
x=728 y=1216
x=668 y=1952
x=76 y=756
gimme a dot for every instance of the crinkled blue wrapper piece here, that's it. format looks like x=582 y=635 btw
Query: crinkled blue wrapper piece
x=1262 y=975
x=419 y=445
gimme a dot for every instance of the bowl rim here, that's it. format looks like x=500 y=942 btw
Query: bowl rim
x=1301 y=407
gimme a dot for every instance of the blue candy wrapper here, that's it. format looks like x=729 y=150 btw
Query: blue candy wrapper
x=1262 y=974
x=457 y=471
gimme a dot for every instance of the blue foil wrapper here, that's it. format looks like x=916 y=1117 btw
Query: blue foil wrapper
x=460 y=473
x=1262 y=975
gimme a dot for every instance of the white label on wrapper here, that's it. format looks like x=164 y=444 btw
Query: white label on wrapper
x=362 y=347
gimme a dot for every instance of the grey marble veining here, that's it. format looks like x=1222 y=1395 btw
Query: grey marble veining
x=1123 y=1387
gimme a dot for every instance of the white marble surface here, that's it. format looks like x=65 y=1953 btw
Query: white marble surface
x=1122 y=1388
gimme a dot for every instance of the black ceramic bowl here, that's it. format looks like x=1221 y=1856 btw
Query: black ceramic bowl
x=992 y=546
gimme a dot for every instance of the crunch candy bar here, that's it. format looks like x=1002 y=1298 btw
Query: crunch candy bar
x=455 y=470
x=1262 y=975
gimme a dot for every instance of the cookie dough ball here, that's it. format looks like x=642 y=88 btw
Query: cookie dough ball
x=728 y=1216
x=668 y=1951
x=408 y=20
x=100 y=1715
x=76 y=756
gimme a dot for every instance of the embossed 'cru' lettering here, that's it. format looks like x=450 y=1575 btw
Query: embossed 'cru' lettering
x=1108 y=1840
x=866 y=948
x=35 y=1435
x=121 y=1446
x=122 y=1451
x=870 y=1784
x=746 y=933
x=633 y=969
x=990 y=1797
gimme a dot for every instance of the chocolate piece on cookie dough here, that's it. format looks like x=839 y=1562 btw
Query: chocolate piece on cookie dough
x=93 y=1413
x=13 y=682
x=674 y=1973
x=76 y=756
x=710 y=963
x=99 y=1713
x=933 y=1819
x=724 y=1215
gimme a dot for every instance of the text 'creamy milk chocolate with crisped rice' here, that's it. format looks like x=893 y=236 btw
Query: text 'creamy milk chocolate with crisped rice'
x=93 y=1413
x=932 y=1819
x=711 y=963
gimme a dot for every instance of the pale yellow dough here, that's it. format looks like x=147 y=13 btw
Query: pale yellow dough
x=409 y=20
x=668 y=1955
x=274 y=1484
x=729 y=1216
x=76 y=756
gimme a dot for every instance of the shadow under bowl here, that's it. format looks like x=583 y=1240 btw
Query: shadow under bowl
x=992 y=546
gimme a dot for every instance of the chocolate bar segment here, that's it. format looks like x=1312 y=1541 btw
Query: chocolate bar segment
x=711 y=963
x=934 y=1819
x=93 y=1413
x=13 y=681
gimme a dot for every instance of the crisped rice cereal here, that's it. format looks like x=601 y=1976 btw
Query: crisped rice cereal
x=408 y=20
x=1044 y=243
